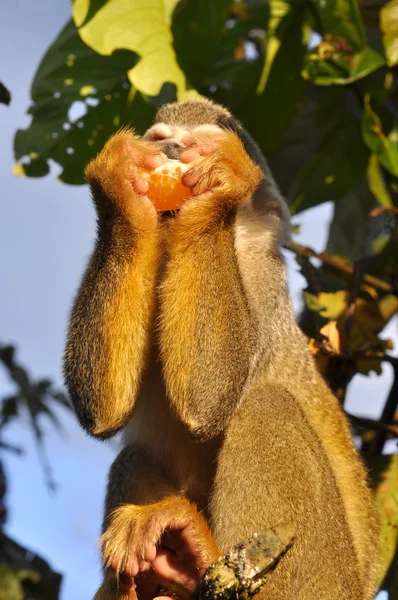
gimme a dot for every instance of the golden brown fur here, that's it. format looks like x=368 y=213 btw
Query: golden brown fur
x=183 y=331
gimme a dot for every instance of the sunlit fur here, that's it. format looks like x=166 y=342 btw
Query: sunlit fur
x=113 y=313
x=183 y=332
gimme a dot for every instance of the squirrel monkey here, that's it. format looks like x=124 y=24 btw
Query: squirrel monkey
x=183 y=333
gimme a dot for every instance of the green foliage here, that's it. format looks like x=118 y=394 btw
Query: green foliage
x=343 y=56
x=192 y=23
x=71 y=72
x=24 y=574
x=340 y=163
x=33 y=399
x=389 y=27
x=384 y=473
x=142 y=27
x=385 y=147
x=280 y=83
x=376 y=182
x=5 y=96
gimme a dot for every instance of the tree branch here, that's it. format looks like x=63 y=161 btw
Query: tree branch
x=363 y=355
x=338 y=266
x=390 y=429
x=243 y=572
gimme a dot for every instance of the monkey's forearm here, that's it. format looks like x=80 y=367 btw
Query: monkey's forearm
x=207 y=335
x=110 y=326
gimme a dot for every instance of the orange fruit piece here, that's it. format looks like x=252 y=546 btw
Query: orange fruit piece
x=166 y=191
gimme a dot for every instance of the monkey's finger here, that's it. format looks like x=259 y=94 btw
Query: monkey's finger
x=197 y=151
x=187 y=156
x=191 y=178
x=126 y=581
x=139 y=185
x=145 y=567
x=170 y=569
x=130 y=568
x=152 y=161
x=194 y=174
x=149 y=552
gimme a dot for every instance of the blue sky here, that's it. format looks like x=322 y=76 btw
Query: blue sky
x=46 y=233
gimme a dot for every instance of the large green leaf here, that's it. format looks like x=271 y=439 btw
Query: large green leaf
x=198 y=24
x=377 y=183
x=369 y=235
x=384 y=472
x=341 y=161
x=342 y=56
x=70 y=71
x=389 y=27
x=142 y=27
x=385 y=146
x=269 y=111
x=351 y=208
x=279 y=23
x=299 y=143
x=234 y=75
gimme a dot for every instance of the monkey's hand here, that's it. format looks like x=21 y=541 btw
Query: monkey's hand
x=117 y=182
x=171 y=538
x=222 y=173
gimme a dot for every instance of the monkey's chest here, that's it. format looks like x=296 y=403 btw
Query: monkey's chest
x=188 y=463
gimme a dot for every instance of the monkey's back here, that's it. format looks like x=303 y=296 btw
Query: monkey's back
x=281 y=472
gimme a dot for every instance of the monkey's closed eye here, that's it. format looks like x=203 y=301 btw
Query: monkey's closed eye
x=157 y=137
x=158 y=132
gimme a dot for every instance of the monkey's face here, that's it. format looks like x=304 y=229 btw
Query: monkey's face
x=172 y=138
x=178 y=124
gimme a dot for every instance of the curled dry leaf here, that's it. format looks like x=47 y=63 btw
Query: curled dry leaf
x=336 y=339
